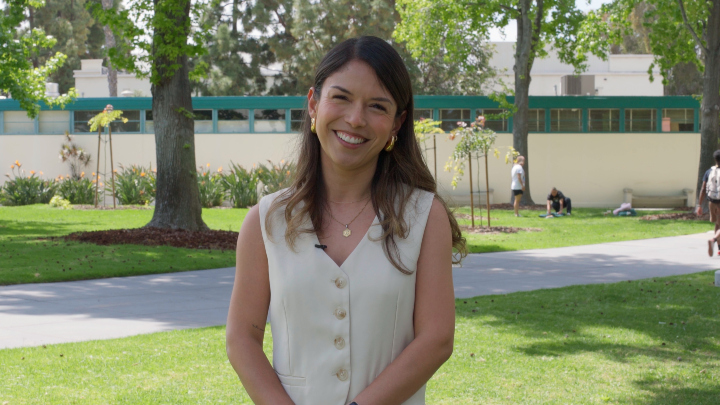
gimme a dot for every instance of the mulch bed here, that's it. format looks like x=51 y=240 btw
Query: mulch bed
x=497 y=229
x=680 y=216
x=218 y=240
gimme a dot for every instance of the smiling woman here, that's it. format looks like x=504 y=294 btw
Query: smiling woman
x=362 y=270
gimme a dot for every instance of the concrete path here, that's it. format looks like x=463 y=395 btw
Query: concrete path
x=35 y=314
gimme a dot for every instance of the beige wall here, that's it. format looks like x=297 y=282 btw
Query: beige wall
x=591 y=168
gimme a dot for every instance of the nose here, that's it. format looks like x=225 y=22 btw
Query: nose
x=355 y=117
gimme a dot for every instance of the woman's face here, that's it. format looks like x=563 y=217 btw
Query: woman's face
x=355 y=117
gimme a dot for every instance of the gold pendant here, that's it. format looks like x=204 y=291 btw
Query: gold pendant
x=346 y=232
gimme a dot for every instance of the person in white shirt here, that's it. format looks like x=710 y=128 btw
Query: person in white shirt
x=518 y=182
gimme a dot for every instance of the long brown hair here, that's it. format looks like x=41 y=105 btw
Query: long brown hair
x=397 y=175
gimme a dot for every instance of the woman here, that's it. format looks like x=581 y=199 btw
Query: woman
x=353 y=261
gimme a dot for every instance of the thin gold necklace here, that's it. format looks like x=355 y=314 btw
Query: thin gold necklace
x=347 y=232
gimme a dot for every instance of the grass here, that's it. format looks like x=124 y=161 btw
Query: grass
x=648 y=342
x=24 y=258
x=586 y=226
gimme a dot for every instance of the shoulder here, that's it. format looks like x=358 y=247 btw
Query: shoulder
x=437 y=229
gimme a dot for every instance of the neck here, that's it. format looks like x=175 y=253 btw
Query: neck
x=344 y=185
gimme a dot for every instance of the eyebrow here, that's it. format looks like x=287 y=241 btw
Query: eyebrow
x=344 y=90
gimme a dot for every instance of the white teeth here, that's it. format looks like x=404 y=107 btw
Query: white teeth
x=349 y=139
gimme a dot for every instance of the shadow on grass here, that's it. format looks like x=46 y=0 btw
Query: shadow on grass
x=671 y=323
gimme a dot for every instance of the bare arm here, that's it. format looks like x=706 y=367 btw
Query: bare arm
x=549 y=204
x=701 y=199
x=434 y=319
x=246 y=318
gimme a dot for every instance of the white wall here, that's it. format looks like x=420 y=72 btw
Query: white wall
x=91 y=81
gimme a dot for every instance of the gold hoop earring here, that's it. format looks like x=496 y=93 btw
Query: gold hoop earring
x=391 y=144
x=312 y=125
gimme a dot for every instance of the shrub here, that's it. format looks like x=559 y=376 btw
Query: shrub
x=134 y=185
x=212 y=190
x=77 y=191
x=59 y=202
x=276 y=177
x=23 y=190
x=241 y=186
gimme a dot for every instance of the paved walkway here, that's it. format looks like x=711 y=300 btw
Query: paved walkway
x=35 y=314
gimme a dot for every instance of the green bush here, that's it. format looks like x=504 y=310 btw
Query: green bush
x=212 y=190
x=276 y=177
x=77 y=191
x=241 y=186
x=23 y=190
x=134 y=185
x=59 y=202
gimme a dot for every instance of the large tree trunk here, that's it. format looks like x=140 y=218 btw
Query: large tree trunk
x=710 y=108
x=109 y=44
x=177 y=203
x=524 y=57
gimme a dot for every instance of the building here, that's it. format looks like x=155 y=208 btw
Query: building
x=620 y=75
x=91 y=81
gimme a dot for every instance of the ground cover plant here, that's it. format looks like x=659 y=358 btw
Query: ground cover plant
x=24 y=258
x=653 y=341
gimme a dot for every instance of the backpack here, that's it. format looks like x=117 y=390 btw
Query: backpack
x=713 y=185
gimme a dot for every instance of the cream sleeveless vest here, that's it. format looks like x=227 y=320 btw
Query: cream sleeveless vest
x=336 y=328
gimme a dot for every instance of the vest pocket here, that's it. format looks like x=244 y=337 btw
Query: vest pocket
x=291 y=380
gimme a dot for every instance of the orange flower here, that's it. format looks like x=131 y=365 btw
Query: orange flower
x=41 y=173
x=208 y=165
x=16 y=163
x=32 y=171
x=101 y=184
x=93 y=174
x=220 y=169
x=154 y=170
x=82 y=174
x=12 y=167
x=142 y=174
x=282 y=162
x=288 y=172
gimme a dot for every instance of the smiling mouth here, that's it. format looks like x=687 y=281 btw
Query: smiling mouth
x=351 y=139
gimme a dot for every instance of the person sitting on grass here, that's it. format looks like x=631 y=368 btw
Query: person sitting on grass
x=557 y=201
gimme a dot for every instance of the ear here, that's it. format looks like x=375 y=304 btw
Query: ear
x=312 y=103
x=398 y=122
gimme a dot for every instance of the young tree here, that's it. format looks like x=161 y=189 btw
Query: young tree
x=160 y=35
x=461 y=26
x=18 y=76
x=679 y=32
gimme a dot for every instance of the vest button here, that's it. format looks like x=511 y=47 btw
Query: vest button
x=340 y=282
x=339 y=343
x=342 y=374
x=340 y=313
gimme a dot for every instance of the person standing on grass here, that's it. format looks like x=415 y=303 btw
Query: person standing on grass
x=518 y=183
x=557 y=201
x=711 y=190
x=353 y=261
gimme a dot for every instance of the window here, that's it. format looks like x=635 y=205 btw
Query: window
x=566 y=120
x=53 y=122
x=203 y=121
x=426 y=114
x=678 y=120
x=17 y=122
x=536 y=120
x=269 y=120
x=133 y=124
x=233 y=121
x=640 y=120
x=81 y=120
x=296 y=120
x=492 y=121
x=604 y=120
x=149 y=126
x=450 y=118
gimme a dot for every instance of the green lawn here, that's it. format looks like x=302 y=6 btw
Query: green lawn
x=648 y=342
x=24 y=258
x=586 y=226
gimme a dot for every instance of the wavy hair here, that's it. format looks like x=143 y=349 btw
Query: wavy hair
x=397 y=175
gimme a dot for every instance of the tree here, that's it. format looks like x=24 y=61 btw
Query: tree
x=461 y=26
x=75 y=32
x=110 y=44
x=165 y=34
x=18 y=76
x=679 y=32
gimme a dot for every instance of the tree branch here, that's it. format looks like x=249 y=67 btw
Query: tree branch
x=538 y=27
x=690 y=28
